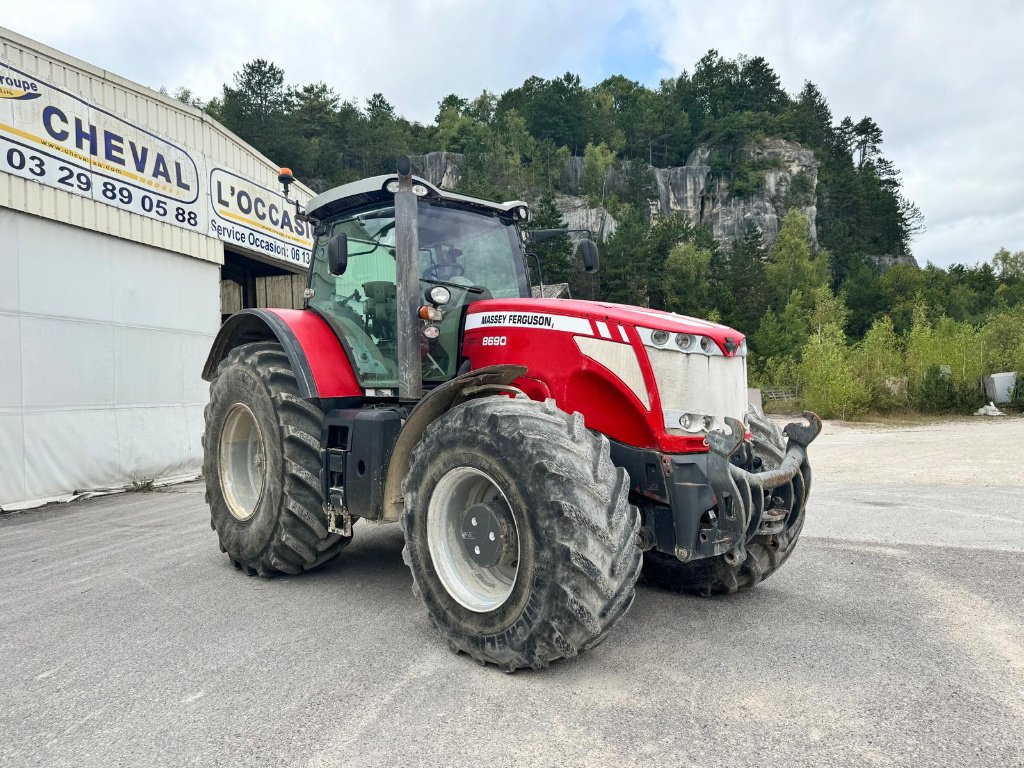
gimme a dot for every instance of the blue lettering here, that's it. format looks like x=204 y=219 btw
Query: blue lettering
x=286 y=221
x=178 y=180
x=49 y=113
x=113 y=147
x=273 y=210
x=140 y=159
x=259 y=201
x=220 y=197
x=82 y=135
x=160 y=170
x=246 y=206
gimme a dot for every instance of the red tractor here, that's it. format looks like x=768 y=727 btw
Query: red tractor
x=538 y=453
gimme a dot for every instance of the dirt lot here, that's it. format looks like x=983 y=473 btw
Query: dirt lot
x=894 y=636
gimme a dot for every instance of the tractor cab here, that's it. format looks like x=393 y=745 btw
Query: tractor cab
x=468 y=250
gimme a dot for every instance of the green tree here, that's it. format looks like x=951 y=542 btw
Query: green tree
x=793 y=265
x=254 y=107
x=598 y=162
x=741 y=292
x=555 y=254
x=687 y=280
x=880 y=363
x=828 y=384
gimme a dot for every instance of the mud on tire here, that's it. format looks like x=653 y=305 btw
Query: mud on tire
x=712 y=575
x=287 y=530
x=577 y=557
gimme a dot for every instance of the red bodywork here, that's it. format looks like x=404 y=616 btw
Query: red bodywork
x=557 y=368
x=330 y=366
x=541 y=334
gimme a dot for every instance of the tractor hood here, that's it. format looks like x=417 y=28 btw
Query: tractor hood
x=604 y=316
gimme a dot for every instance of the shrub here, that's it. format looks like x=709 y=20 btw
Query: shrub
x=938 y=392
x=826 y=376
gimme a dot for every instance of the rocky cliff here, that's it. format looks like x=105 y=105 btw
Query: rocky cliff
x=692 y=189
x=695 y=190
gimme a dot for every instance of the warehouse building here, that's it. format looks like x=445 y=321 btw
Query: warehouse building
x=130 y=223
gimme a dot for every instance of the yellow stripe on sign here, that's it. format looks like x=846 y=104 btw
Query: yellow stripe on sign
x=261 y=225
x=86 y=159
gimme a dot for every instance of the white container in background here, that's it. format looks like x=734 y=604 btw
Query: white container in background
x=999 y=386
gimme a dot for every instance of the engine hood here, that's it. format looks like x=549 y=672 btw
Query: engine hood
x=727 y=339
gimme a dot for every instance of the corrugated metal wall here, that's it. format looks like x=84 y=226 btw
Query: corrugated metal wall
x=106 y=315
x=185 y=126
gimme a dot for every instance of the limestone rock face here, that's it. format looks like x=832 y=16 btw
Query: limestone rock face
x=695 y=190
x=887 y=260
x=439 y=168
x=577 y=213
x=692 y=189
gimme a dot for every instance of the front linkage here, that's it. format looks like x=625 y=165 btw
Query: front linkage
x=749 y=503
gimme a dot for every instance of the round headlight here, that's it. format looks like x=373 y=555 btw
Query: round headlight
x=431 y=331
x=683 y=340
x=419 y=190
x=523 y=213
x=686 y=421
x=391 y=186
x=705 y=343
x=709 y=422
x=439 y=295
x=659 y=338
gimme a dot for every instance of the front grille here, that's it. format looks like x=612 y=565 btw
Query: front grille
x=704 y=385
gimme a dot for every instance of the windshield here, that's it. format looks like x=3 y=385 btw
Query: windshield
x=476 y=255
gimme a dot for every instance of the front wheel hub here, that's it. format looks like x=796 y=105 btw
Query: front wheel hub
x=473 y=539
x=485 y=533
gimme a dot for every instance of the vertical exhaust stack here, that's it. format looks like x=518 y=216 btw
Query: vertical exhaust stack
x=410 y=366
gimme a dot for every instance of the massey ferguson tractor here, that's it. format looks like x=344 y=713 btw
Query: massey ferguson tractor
x=540 y=455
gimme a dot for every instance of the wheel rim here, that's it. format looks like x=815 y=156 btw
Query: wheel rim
x=473 y=539
x=242 y=462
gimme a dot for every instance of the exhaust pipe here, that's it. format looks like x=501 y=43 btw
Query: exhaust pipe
x=407 y=286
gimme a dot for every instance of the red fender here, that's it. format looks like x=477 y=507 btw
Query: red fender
x=321 y=367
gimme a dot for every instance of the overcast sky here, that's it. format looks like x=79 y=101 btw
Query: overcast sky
x=944 y=80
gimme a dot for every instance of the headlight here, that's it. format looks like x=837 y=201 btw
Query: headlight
x=660 y=338
x=439 y=295
x=392 y=187
x=431 y=331
x=419 y=190
x=683 y=341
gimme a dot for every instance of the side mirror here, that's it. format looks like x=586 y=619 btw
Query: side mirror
x=591 y=258
x=337 y=254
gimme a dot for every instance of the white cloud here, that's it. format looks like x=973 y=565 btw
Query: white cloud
x=941 y=79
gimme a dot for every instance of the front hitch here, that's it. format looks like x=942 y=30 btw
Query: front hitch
x=754 y=503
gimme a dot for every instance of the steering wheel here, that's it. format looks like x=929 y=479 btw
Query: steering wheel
x=431 y=272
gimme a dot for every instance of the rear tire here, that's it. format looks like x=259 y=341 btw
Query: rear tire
x=262 y=466
x=765 y=554
x=570 y=574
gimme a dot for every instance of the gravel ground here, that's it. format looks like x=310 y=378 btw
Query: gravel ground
x=894 y=636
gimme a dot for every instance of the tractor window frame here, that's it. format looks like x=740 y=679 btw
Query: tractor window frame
x=327 y=228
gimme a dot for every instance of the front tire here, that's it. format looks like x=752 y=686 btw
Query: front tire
x=561 y=566
x=765 y=554
x=262 y=466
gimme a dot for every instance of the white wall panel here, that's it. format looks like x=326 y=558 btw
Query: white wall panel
x=154 y=437
x=12 y=458
x=8 y=262
x=66 y=363
x=147 y=366
x=68 y=451
x=102 y=394
x=10 y=363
